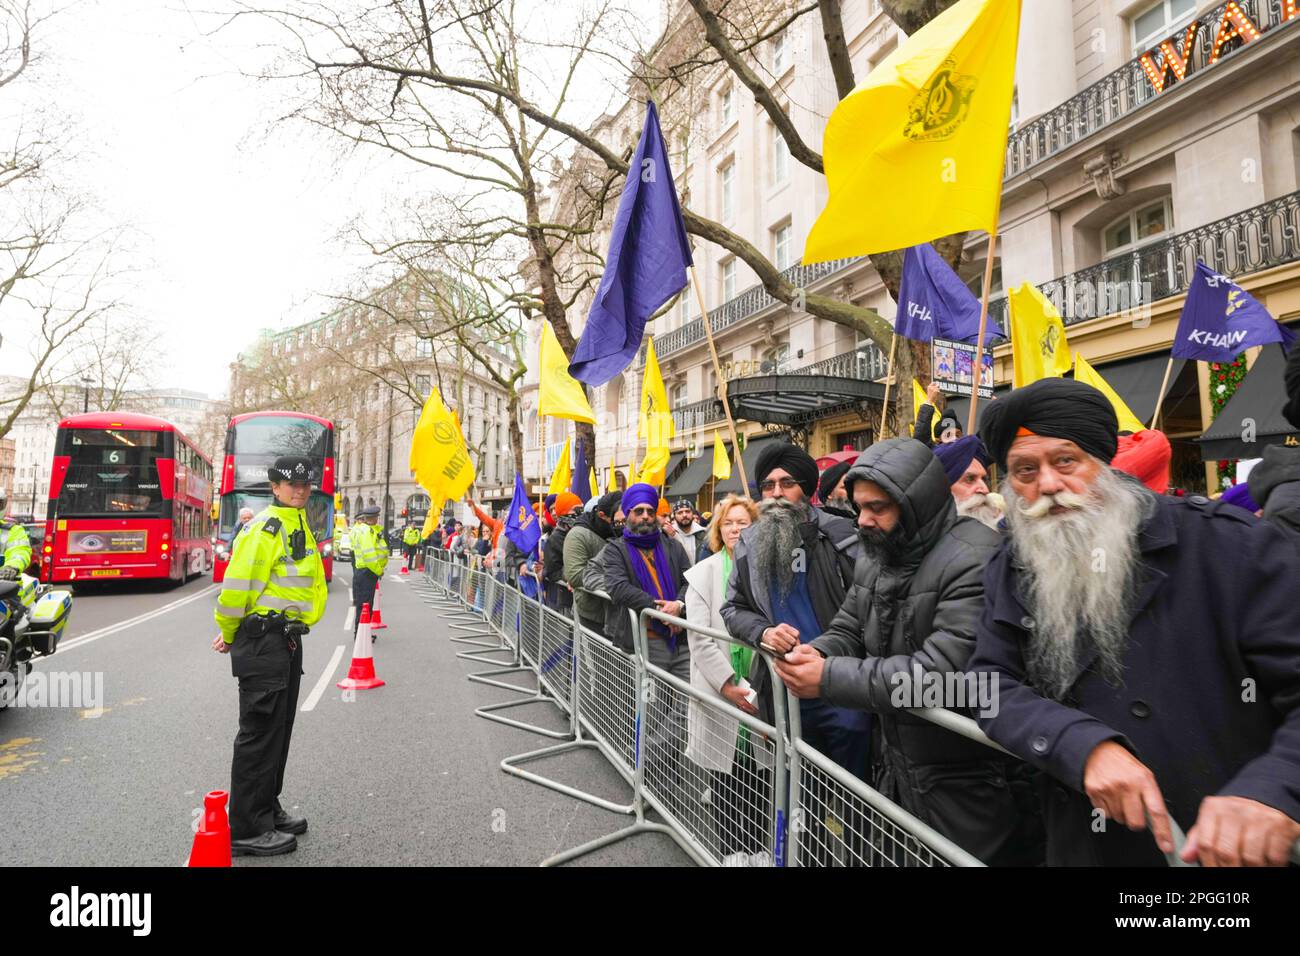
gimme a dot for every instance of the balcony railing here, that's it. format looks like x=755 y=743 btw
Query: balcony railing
x=1258 y=238
x=1128 y=89
x=749 y=302
x=698 y=414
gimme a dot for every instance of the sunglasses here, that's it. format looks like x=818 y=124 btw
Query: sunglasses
x=641 y=510
x=785 y=483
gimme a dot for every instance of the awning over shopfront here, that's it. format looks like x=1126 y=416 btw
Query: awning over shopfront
x=695 y=477
x=1258 y=401
x=750 y=458
x=1135 y=380
x=797 y=399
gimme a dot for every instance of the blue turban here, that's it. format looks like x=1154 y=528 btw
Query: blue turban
x=1239 y=495
x=956 y=456
x=640 y=494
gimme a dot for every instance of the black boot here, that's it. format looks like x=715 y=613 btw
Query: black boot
x=287 y=824
x=270 y=843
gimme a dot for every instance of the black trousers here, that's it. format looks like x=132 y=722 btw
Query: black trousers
x=410 y=555
x=269 y=673
x=364 y=582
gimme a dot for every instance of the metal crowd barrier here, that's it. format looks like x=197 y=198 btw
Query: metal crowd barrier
x=778 y=802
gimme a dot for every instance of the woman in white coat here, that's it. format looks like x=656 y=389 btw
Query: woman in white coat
x=719 y=669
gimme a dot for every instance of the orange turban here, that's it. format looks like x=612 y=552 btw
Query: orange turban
x=566 y=502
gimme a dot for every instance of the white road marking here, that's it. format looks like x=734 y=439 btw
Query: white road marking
x=138 y=619
x=398 y=578
x=324 y=680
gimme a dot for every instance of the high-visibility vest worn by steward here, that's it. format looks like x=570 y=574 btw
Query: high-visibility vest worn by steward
x=367 y=550
x=263 y=578
x=411 y=535
x=15 y=545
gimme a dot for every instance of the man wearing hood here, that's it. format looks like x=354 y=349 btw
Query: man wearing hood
x=908 y=620
x=1274 y=484
x=793 y=568
x=587 y=538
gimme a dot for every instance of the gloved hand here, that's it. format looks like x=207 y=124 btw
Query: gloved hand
x=9 y=572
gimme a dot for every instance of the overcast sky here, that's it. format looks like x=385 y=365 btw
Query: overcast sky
x=236 y=219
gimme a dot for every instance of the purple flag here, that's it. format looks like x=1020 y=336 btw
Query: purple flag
x=521 y=522
x=1220 y=319
x=932 y=301
x=580 y=483
x=646 y=265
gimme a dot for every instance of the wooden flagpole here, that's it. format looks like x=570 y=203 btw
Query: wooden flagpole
x=984 y=318
x=889 y=380
x=722 y=382
x=1160 y=395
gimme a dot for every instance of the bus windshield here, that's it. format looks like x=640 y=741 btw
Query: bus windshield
x=111 y=471
x=258 y=442
x=320 y=512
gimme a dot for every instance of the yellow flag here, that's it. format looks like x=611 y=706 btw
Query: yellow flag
x=1083 y=372
x=562 y=475
x=430 y=522
x=439 y=458
x=1038 y=345
x=721 y=463
x=921 y=143
x=591 y=482
x=559 y=393
x=656 y=425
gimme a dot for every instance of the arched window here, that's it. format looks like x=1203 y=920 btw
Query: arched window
x=347 y=507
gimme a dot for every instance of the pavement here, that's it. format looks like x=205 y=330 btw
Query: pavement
x=402 y=775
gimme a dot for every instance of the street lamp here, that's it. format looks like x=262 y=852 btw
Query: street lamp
x=85 y=403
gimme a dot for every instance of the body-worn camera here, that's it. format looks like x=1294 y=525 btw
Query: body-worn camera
x=298 y=544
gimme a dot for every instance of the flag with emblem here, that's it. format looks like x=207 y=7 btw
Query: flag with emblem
x=1220 y=319
x=1038 y=345
x=439 y=459
x=921 y=143
x=521 y=525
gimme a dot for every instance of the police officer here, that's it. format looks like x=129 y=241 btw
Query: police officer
x=15 y=547
x=274 y=590
x=410 y=542
x=369 y=559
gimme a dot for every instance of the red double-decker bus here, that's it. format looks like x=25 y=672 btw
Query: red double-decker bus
x=253 y=442
x=129 y=498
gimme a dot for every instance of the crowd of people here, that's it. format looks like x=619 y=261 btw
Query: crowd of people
x=1136 y=653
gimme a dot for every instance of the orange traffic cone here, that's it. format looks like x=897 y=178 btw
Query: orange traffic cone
x=361 y=675
x=212 y=841
x=377 y=622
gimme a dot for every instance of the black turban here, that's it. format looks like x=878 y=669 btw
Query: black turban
x=831 y=477
x=793 y=459
x=610 y=502
x=1054 y=408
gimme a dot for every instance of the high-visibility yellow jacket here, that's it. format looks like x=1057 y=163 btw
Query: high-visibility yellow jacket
x=368 y=550
x=411 y=535
x=16 y=546
x=263 y=578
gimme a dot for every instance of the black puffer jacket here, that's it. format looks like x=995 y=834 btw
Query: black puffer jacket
x=1275 y=486
x=918 y=615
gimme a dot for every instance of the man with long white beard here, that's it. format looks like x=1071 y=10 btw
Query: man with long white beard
x=1147 y=649
x=965 y=462
x=794 y=566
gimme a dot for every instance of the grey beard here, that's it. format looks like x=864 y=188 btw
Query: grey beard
x=1080 y=569
x=775 y=541
x=981 y=509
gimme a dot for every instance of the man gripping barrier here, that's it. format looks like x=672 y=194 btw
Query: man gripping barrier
x=274 y=590
x=369 y=559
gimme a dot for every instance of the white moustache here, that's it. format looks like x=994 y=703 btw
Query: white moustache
x=1044 y=504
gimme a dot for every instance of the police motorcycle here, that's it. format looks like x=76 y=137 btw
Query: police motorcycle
x=33 y=617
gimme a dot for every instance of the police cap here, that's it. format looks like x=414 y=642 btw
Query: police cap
x=290 y=468
x=369 y=512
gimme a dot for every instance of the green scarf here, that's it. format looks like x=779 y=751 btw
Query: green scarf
x=741 y=655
